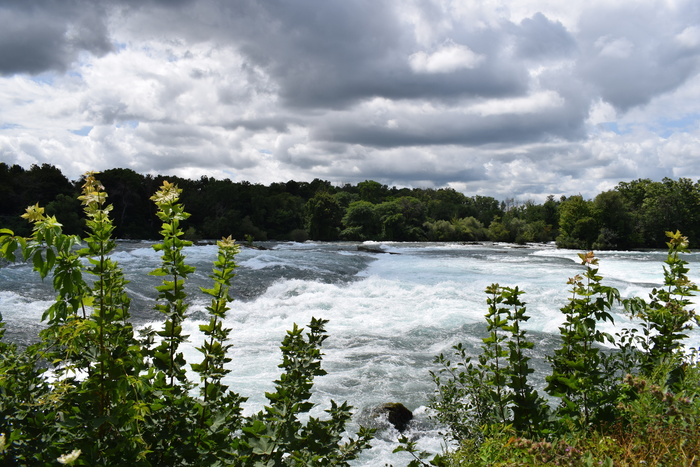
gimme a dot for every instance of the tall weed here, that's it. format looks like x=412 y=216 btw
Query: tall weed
x=94 y=392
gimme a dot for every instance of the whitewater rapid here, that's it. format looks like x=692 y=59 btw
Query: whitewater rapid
x=389 y=314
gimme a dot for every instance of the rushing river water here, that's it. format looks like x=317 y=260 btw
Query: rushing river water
x=389 y=314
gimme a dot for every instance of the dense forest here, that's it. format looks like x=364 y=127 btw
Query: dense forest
x=633 y=215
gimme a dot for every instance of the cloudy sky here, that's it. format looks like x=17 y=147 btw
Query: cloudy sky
x=519 y=98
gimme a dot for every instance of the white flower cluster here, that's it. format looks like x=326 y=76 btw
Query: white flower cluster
x=68 y=459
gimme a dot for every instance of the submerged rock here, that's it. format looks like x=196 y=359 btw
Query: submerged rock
x=397 y=414
x=374 y=249
x=255 y=247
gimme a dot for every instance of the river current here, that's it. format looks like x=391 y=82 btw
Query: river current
x=389 y=313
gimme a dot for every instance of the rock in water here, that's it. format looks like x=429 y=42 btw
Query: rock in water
x=372 y=249
x=369 y=249
x=397 y=414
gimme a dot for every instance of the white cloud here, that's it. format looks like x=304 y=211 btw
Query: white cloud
x=537 y=102
x=496 y=97
x=689 y=37
x=610 y=47
x=601 y=112
x=448 y=58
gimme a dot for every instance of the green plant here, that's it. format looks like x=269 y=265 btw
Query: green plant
x=473 y=397
x=92 y=402
x=578 y=375
x=660 y=422
x=419 y=457
x=171 y=294
x=495 y=351
x=666 y=318
x=115 y=398
x=530 y=411
x=215 y=347
x=249 y=239
x=650 y=416
x=461 y=401
x=276 y=435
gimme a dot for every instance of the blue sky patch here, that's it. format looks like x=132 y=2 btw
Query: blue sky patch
x=44 y=78
x=128 y=124
x=614 y=127
x=84 y=131
x=667 y=127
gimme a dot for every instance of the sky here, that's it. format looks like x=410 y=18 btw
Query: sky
x=511 y=99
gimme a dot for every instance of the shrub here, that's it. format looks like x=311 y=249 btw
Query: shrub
x=113 y=397
x=637 y=405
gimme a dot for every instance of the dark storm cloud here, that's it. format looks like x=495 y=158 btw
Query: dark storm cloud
x=333 y=54
x=503 y=95
x=451 y=127
x=280 y=125
x=627 y=67
x=394 y=175
x=48 y=35
x=539 y=38
x=42 y=35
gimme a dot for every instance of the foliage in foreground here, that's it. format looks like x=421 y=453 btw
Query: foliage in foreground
x=114 y=397
x=637 y=404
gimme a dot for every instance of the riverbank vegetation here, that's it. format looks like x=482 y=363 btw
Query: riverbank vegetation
x=93 y=391
x=613 y=400
x=632 y=215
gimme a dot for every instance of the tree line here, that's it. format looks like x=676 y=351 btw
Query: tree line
x=632 y=215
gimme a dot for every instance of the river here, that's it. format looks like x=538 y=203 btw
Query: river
x=389 y=313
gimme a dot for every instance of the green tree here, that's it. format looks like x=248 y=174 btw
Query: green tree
x=672 y=205
x=469 y=229
x=286 y=215
x=578 y=228
x=11 y=202
x=550 y=213
x=613 y=216
x=440 y=231
x=67 y=211
x=656 y=207
x=372 y=192
x=44 y=182
x=134 y=216
x=538 y=231
x=324 y=216
x=485 y=209
x=360 y=221
x=447 y=204
x=20 y=188
x=498 y=232
x=402 y=219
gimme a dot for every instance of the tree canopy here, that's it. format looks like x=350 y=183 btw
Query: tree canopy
x=632 y=215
